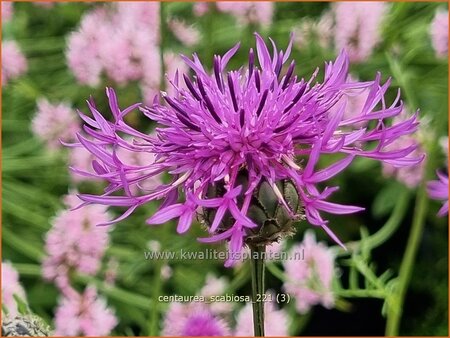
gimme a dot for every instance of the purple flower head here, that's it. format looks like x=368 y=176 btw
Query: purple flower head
x=438 y=190
x=193 y=319
x=236 y=131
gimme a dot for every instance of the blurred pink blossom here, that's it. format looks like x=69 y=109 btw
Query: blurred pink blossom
x=84 y=314
x=411 y=175
x=354 y=101
x=358 y=27
x=310 y=280
x=216 y=287
x=276 y=321
x=112 y=268
x=256 y=12
x=54 y=122
x=44 y=4
x=11 y=286
x=193 y=319
x=81 y=159
x=200 y=8
x=82 y=47
x=7 y=10
x=14 y=62
x=75 y=242
x=187 y=35
x=119 y=39
x=174 y=63
x=166 y=272
x=439 y=33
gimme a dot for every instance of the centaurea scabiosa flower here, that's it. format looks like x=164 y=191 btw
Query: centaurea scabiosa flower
x=438 y=190
x=244 y=147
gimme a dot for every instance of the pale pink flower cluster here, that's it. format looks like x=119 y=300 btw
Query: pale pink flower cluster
x=276 y=321
x=10 y=287
x=14 y=62
x=310 y=280
x=7 y=10
x=187 y=35
x=193 y=319
x=245 y=12
x=410 y=176
x=54 y=123
x=439 y=33
x=75 y=242
x=44 y=4
x=84 y=314
x=358 y=27
x=216 y=287
x=121 y=40
x=201 y=8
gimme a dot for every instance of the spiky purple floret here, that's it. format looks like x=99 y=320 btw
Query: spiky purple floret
x=276 y=127
x=438 y=190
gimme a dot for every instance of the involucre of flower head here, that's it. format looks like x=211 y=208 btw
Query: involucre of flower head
x=14 y=63
x=84 y=314
x=310 y=279
x=438 y=190
x=232 y=133
x=439 y=33
x=10 y=287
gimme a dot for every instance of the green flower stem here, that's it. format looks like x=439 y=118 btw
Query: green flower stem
x=394 y=313
x=386 y=231
x=258 y=291
x=155 y=309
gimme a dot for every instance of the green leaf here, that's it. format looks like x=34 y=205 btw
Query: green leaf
x=386 y=199
x=22 y=306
